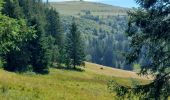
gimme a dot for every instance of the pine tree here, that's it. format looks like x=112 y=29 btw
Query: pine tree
x=149 y=29
x=39 y=47
x=54 y=28
x=75 y=55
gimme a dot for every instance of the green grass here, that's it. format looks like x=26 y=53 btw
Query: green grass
x=63 y=84
x=76 y=7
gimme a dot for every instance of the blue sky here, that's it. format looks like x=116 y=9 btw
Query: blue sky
x=122 y=3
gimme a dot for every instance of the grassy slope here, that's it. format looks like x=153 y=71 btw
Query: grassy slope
x=62 y=84
x=76 y=7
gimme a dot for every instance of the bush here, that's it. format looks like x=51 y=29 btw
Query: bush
x=101 y=68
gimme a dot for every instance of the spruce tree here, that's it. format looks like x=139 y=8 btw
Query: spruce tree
x=149 y=28
x=54 y=28
x=40 y=57
x=75 y=54
x=39 y=47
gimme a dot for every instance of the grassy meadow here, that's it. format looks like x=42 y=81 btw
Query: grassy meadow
x=91 y=84
x=76 y=8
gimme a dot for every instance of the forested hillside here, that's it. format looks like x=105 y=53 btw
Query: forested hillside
x=103 y=28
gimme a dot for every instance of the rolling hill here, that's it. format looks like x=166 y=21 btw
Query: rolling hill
x=102 y=27
x=78 y=7
x=64 y=84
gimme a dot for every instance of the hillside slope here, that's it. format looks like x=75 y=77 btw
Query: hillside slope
x=102 y=27
x=63 y=84
x=108 y=71
x=76 y=7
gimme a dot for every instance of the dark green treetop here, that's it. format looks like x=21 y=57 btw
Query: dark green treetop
x=75 y=55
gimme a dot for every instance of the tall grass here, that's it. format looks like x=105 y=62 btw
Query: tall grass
x=58 y=85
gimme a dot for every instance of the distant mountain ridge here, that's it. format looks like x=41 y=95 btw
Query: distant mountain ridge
x=75 y=7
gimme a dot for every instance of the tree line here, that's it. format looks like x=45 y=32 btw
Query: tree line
x=32 y=38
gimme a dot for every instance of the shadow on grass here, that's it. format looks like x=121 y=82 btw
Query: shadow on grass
x=70 y=69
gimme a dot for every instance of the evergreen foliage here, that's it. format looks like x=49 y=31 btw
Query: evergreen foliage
x=38 y=53
x=149 y=29
x=54 y=29
x=13 y=9
x=75 y=55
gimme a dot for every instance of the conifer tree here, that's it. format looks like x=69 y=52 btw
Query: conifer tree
x=149 y=29
x=39 y=50
x=75 y=54
x=54 y=28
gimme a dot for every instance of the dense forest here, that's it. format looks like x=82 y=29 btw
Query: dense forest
x=32 y=38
